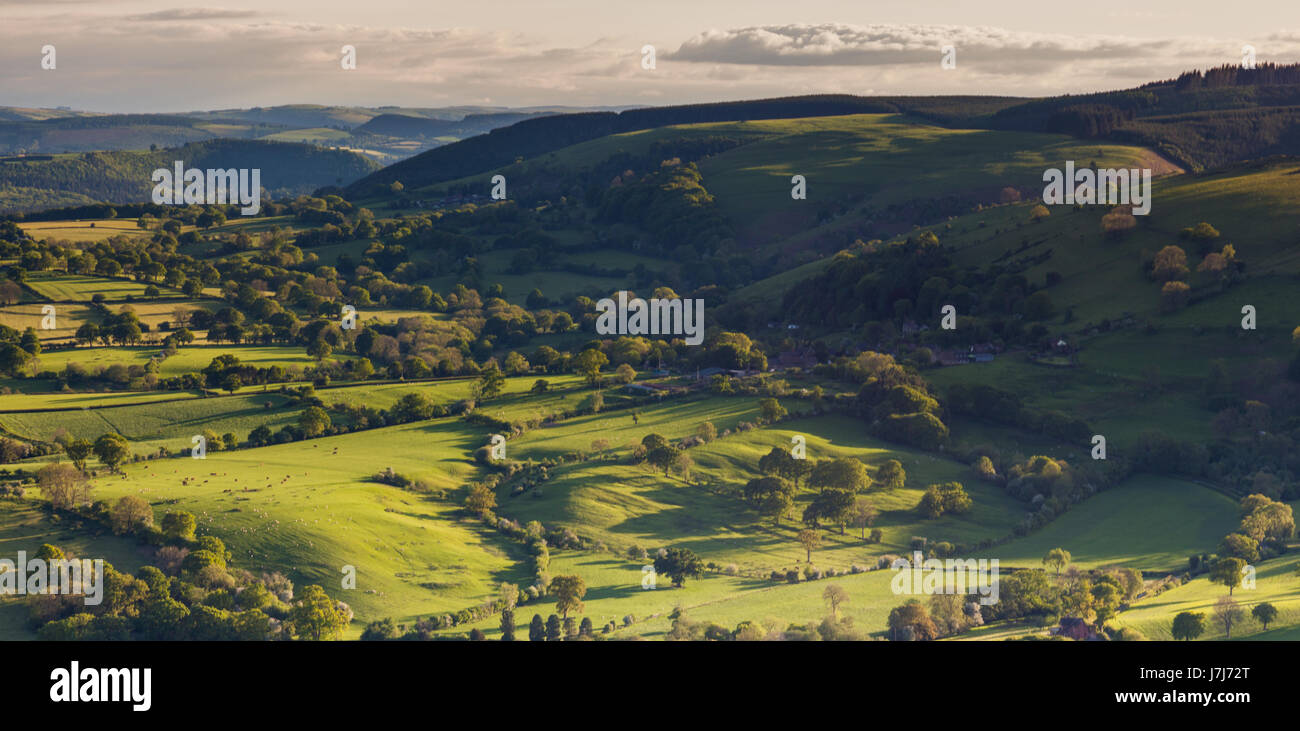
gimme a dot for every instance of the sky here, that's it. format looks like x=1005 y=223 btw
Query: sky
x=160 y=56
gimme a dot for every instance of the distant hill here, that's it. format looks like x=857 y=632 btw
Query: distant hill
x=402 y=125
x=124 y=177
x=533 y=137
x=388 y=133
x=87 y=133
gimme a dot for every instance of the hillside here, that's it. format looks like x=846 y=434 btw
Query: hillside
x=124 y=177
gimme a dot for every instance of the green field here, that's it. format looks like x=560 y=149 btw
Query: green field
x=309 y=508
x=190 y=359
x=1148 y=523
x=88 y=230
x=81 y=288
x=1276 y=582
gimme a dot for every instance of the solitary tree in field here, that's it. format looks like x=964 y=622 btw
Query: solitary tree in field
x=810 y=540
x=112 y=450
x=1227 y=571
x=1227 y=614
x=891 y=475
x=1264 y=613
x=678 y=564
x=1057 y=558
x=1188 y=625
x=568 y=592
x=834 y=595
x=664 y=457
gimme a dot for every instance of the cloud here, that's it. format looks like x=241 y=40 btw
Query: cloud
x=188 y=14
x=179 y=59
x=832 y=44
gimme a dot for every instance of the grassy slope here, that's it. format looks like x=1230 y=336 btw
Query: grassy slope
x=1147 y=522
x=1275 y=582
x=307 y=510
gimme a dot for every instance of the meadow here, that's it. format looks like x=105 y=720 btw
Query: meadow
x=309 y=508
x=83 y=288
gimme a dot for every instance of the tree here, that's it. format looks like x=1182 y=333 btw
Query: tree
x=314 y=421
x=1264 y=613
x=771 y=410
x=231 y=383
x=178 y=526
x=778 y=462
x=588 y=364
x=1188 y=625
x=490 y=383
x=949 y=497
x=536 y=629
x=508 y=594
x=130 y=513
x=843 y=473
x=1174 y=296
x=771 y=496
x=1227 y=571
x=834 y=595
x=911 y=621
x=79 y=450
x=835 y=506
x=319 y=349
x=1057 y=558
x=810 y=540
x=891 y=475
x=507 y=625
x=112 y=450
x=707 y=432
x=1227 y=613
x=63 y=485
x=317 y=617
x=568 y=591
x=864 y=515
x=678 y=564
x=663 y=457
x=1239 y=546
x=553 y=631
x=624 y=373
x=1170 y=264
x=481 y=500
